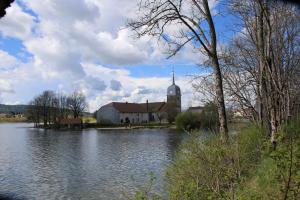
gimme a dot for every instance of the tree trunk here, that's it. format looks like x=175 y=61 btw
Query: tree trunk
x=220 y=99
x=217 y=73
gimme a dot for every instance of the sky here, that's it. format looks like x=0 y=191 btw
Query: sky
x=66 y=46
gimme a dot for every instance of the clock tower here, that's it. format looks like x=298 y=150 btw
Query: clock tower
x=174 y=96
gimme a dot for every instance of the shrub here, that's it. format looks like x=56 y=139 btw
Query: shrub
x=211 y=169
x=277 y=176
x=207 y=119
x=188 y=121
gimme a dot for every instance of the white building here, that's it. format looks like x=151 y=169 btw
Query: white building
x=136 y=113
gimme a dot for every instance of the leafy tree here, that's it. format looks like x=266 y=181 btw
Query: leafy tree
x=188 y=121
x=206 y=119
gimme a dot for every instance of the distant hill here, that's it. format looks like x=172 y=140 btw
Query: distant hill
x=22 y=109
x=8 y=109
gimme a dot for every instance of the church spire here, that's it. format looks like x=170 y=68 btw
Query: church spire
x=173 y=77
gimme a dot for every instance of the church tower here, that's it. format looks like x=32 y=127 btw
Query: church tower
x=174 y=96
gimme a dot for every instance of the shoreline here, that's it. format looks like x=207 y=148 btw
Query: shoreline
x=94 y=126
x=108 y=127
x=135 y=127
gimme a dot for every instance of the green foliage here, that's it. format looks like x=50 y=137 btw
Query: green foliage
x=172 y=113
x=188 y=121
x=89 y=120
x=207 y=119
x=278 y=174
x=209 y=116
x=212 y=169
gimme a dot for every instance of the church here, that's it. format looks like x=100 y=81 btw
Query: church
x=138 y=113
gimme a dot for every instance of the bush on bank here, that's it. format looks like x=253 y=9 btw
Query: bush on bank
x=246 y=168
x=207 y=119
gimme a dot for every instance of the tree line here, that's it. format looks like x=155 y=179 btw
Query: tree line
x=50 y=108
x=255 y=72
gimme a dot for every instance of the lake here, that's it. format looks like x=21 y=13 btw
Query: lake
x=89 y=164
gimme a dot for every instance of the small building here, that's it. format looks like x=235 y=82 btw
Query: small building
x=196 y=109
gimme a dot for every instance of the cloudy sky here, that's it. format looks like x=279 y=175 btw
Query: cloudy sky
x=82 y=45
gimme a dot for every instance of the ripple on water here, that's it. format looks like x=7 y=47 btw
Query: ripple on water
x=89 y=164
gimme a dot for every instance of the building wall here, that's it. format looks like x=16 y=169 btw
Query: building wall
x=135 y=118
x=108 y=114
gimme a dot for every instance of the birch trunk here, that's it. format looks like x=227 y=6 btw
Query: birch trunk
x=217 y=73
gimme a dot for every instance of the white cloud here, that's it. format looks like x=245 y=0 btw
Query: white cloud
x=25 y=81
x=69 y=33
x=135 y=89
x=6 y=87
x=68 y=43
x=7 y=61
x=16 y=23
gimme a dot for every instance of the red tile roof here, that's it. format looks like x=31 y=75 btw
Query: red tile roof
x=153 y=107
x=136 y=107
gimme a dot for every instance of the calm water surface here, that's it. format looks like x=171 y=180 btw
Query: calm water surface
x=89 y=164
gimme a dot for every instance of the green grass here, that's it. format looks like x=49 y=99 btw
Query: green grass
x=89 y=120
x=12 y=119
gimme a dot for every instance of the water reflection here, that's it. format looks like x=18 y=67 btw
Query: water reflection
x=89 y=164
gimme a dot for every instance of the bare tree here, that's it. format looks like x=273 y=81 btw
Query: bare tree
x=77 y=104
x=35 y=111
x=63 y=108
x=203 y=86
x=46 y=101
x=44 y=107
x=50 y=108
x=240 y=74
x=188 y=17
x=272 y=37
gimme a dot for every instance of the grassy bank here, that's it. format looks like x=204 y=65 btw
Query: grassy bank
x=13 y=119
x=246 y=168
